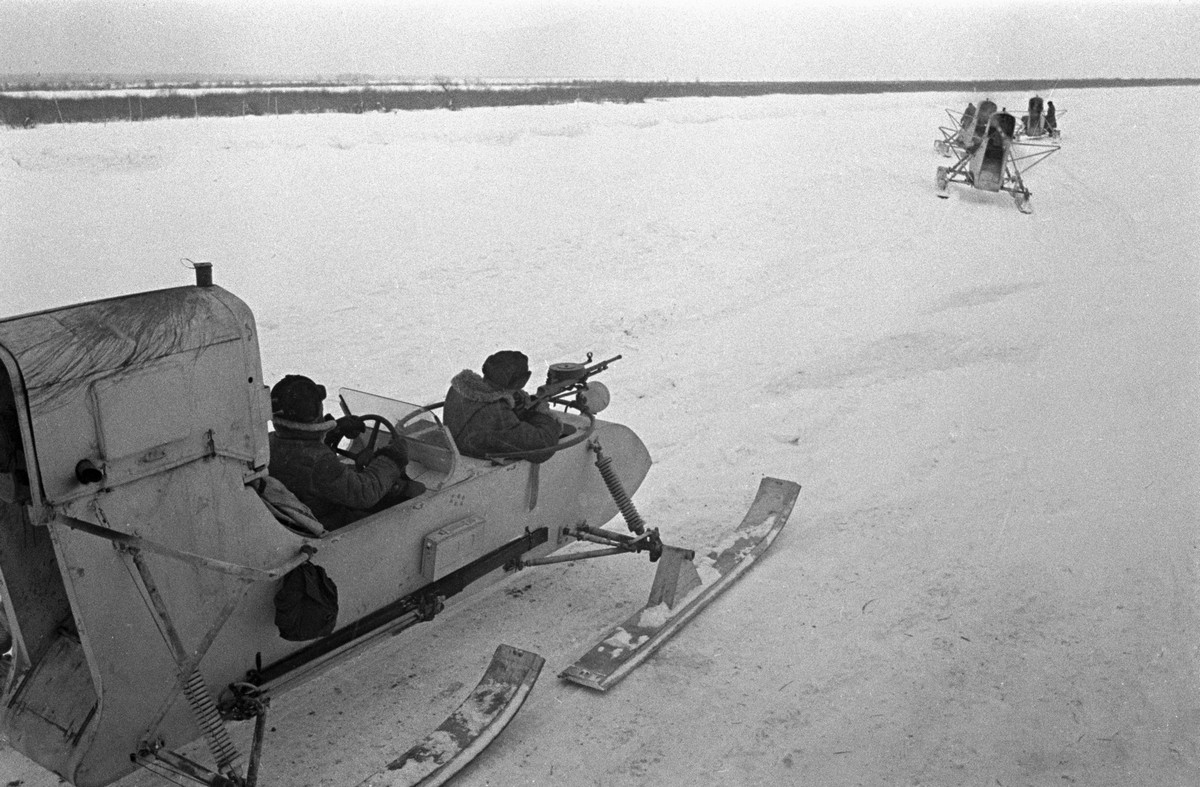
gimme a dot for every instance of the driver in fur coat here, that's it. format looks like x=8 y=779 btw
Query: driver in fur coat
x=303 y=459
x=487 y=414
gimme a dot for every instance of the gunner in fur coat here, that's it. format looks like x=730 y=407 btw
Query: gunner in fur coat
x=486 y=413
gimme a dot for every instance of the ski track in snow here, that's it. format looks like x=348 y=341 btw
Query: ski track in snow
x=990 y=574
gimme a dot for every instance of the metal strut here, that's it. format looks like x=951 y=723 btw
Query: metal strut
x=195 y=690
x=247 y=701
x=616 y=543
x=604 y=464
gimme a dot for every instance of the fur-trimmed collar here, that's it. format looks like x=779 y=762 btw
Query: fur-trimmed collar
x=472 y=386
x=297 y=430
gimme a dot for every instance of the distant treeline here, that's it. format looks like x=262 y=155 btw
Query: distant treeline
x=24 y=109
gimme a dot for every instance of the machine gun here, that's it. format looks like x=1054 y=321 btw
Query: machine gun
x=564 y=378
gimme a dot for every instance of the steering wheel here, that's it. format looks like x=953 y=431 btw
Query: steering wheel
x=364 y=456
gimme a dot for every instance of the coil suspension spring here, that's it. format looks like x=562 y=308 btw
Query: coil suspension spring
x=604 y=464
x=215 y=734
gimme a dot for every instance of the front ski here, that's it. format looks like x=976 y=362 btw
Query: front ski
x=942 y=182
x=681 y=589
x=471 y=727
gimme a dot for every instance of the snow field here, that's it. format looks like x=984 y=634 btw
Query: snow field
x=990 y=575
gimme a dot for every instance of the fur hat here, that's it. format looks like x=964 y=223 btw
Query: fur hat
x=297 y=398
x=507 y=369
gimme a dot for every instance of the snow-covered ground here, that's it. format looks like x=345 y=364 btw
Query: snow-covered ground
x=991 y=573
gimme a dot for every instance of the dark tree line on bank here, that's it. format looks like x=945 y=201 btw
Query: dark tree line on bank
x=24 y=109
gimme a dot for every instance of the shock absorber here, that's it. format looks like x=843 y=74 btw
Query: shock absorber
x=632 y=518
x=205 y=711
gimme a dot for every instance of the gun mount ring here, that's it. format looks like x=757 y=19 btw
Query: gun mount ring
x=561 y=445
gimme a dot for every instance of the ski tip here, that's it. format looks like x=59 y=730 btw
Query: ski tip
x=777 y=490
x=584 y=677
x=522 y=661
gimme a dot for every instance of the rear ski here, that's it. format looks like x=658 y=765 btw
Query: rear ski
x=470 y=728
x=682 y=588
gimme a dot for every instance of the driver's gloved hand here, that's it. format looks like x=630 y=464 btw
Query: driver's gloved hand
x=350 y=427
x=396 y=451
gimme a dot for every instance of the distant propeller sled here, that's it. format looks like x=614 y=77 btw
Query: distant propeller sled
x=1041 y=121
x=991 y=154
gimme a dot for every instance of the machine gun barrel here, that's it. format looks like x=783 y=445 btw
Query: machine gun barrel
x=562 y=378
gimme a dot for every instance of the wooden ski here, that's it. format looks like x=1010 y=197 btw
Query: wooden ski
x=470 y=728
x=681 y=589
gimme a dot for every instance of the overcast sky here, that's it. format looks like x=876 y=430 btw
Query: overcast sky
x=663 y=39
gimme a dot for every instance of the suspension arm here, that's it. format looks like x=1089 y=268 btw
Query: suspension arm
x=549 y=559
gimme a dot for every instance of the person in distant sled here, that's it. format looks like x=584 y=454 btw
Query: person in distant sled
x=303 y=459
x=490 y=414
